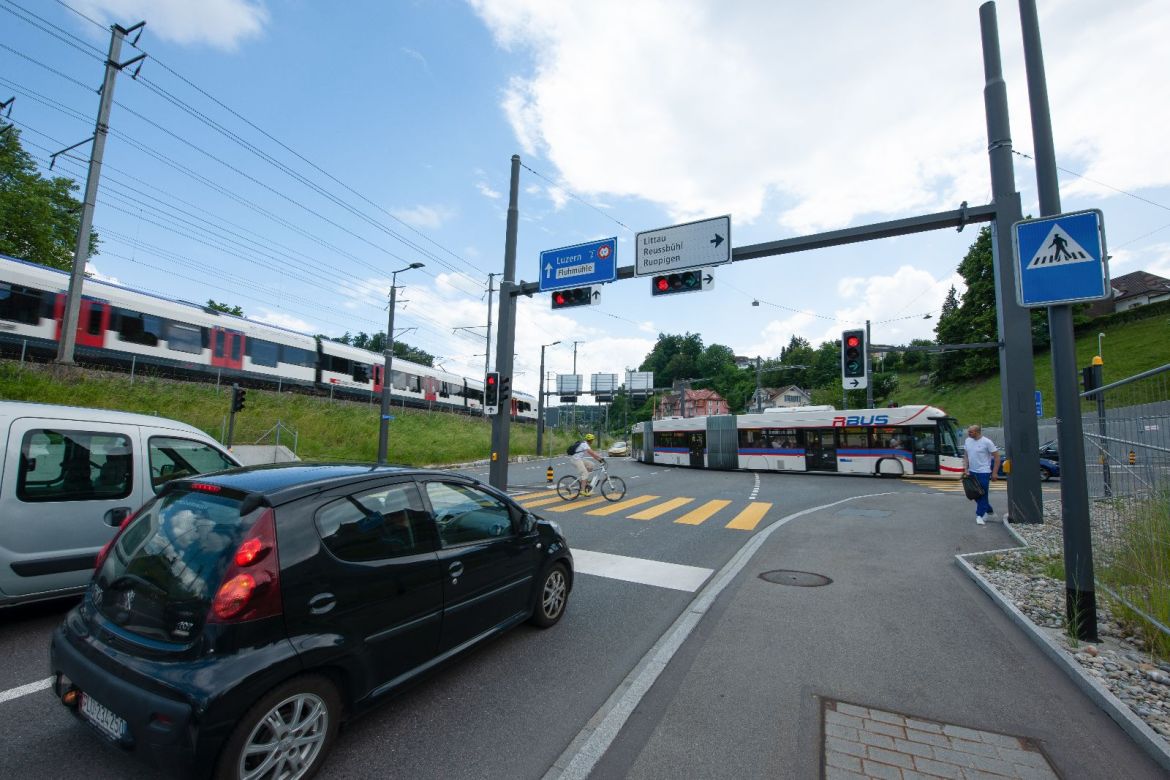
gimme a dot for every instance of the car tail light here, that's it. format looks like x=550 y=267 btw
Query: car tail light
x=251 y=584
x=105 y=551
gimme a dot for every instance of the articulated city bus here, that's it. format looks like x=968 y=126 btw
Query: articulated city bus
x=899 y=441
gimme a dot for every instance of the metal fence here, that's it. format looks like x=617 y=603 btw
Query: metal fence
x=1126 y=427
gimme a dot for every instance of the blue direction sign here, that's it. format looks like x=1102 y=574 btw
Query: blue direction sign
x=577 y=265
x=1061 y=259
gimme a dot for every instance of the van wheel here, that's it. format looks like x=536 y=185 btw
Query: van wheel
x=286 y=734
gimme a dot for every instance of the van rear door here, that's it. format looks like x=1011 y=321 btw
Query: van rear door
x=60 y=478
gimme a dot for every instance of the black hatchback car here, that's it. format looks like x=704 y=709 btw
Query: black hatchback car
x=237 y=618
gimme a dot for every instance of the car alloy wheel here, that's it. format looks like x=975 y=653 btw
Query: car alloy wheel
x=554 y=593
x=286 y=735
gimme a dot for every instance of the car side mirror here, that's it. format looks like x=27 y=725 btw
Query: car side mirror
x=527 y=523
x=114 y=517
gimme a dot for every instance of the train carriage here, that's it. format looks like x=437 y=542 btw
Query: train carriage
x=899 y=441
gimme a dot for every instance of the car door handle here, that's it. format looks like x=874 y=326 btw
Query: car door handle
x=322 y=603
x=455 y=569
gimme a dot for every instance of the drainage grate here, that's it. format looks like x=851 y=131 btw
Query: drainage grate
x=801 y=579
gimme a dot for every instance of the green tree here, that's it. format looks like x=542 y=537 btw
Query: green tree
x=225 y=308
x=674 y=357
x=39 y=217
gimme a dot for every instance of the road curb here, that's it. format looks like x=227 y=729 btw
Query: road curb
x=1134 y=726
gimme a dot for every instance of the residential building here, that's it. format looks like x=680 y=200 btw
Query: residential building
x=699 y=403
x=1131 y=290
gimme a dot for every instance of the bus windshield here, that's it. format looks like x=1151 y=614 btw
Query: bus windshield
x=948 y=436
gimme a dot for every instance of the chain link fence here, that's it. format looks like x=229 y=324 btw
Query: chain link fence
x=1126 y=432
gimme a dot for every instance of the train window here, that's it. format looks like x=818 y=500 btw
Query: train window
x=444 y=390
x=184 y=338
x=93 y=323
x=295 y=356
x=361 y=372
x=137 y=328
x=410 y=382
x=263 y=353
x=236 y=345
x=20 y=304
x=338 y=364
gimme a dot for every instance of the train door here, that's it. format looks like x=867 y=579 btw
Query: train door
x=92 y=322
x=431 y=388
x=227 y=348
x=697 y=444
x=376 y=377
x=820 y=449
x=925 y=451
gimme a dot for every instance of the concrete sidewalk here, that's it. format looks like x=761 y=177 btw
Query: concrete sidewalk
x=901 y=667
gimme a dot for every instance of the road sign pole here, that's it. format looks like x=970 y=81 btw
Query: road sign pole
x=1080 y=588
x=869 y=382
x=1017 y=377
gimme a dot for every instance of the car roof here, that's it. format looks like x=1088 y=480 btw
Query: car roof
x=283 y=482
x=12 y=410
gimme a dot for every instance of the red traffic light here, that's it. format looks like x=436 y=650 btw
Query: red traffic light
x=852 y=341
x=491 y=380
x=576 y=296
x=663 y=284
x=559 y=299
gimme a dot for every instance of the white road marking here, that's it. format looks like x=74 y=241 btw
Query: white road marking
x=24 y=690
x=756 y=489
x=641 y=570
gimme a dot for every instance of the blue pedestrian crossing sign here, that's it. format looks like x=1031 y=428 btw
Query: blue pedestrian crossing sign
x=1061 y=259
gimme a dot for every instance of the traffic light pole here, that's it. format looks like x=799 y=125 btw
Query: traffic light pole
x=1079 y=585
x=506 y=335
x=868 y=374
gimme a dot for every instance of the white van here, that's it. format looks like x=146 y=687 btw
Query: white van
x=69 y=476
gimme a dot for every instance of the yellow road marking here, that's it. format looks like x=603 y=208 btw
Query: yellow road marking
x=661 y=509
x=748 y=519
x=541 y=500
x=574 y=504
x=696 y=516
x=621 y=506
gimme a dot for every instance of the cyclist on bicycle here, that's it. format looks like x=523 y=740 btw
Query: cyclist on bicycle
x=583 y=450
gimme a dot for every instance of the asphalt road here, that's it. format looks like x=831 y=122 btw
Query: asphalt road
x=511 y=708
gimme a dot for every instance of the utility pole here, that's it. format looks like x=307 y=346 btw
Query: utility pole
x=487 y=358
x=759 y=400
x=540 y=404
x=573 y=424
x=68 y=342
x=869 y=375
x=388 y=375
x=1079 y=585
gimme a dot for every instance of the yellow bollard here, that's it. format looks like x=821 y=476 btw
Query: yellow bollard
x=548 y=476
x=1132 y=458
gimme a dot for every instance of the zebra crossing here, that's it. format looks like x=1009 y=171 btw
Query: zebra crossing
x=955 y=486
x=682 y=510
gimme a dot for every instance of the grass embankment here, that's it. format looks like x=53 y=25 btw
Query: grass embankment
x=1130 y=348
x=326 y=430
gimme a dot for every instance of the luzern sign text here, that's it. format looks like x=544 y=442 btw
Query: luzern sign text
x=683 y=247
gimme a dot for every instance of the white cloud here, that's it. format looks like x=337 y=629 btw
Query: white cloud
x=223 y=24
x=283 y=321
x=487 y=191
x=92 y=272
x=814 y=115
x=427 y=217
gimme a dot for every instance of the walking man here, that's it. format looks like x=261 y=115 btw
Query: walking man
x=981 y=458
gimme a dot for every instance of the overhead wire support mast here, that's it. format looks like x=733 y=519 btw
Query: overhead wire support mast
x=68 y=342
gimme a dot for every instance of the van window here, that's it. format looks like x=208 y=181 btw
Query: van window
x=171 y=458
x=60 y=465
x=387 y=522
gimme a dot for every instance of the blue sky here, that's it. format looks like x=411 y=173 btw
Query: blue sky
x=399 y=119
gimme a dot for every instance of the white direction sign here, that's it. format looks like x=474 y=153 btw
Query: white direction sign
x=682 y=247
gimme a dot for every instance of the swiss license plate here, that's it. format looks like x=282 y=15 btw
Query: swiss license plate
x=102 y=718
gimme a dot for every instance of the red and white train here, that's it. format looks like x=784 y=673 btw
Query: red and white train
x=121 y=326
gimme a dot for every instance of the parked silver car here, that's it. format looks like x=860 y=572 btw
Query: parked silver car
x=70 y=476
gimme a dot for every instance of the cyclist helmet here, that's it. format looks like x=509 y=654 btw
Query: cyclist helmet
x=589 y=437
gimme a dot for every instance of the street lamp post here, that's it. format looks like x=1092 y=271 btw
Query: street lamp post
x=540 y=404
x=384 y=427
x=1099 y=337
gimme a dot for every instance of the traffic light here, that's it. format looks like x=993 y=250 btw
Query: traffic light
x=239 y=396
x=574 y=296
x=683 y=281
x=505 y=388
x=853 y=362
x=491 y=389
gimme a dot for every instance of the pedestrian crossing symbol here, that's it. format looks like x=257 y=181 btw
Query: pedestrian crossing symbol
x=1058 y=248
x=1061 y=259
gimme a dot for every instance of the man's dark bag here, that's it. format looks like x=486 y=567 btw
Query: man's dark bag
x=972 y=487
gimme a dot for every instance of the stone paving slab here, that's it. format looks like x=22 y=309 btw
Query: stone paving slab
x=865 y=742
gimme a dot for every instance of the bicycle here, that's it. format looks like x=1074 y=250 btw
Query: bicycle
x=612 y=488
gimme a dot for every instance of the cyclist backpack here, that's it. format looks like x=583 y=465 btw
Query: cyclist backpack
x=573 y=447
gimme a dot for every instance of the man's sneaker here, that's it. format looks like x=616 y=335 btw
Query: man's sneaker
x=979 y=519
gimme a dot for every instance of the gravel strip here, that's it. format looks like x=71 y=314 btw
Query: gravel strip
x=1119 y=660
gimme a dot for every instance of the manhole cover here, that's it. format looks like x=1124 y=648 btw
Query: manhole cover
x=801 y=579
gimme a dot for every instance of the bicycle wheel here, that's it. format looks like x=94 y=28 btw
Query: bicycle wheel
x=613 y=488
x=568 y=487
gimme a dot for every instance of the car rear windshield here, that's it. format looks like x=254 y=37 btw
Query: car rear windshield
x=161 y=575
